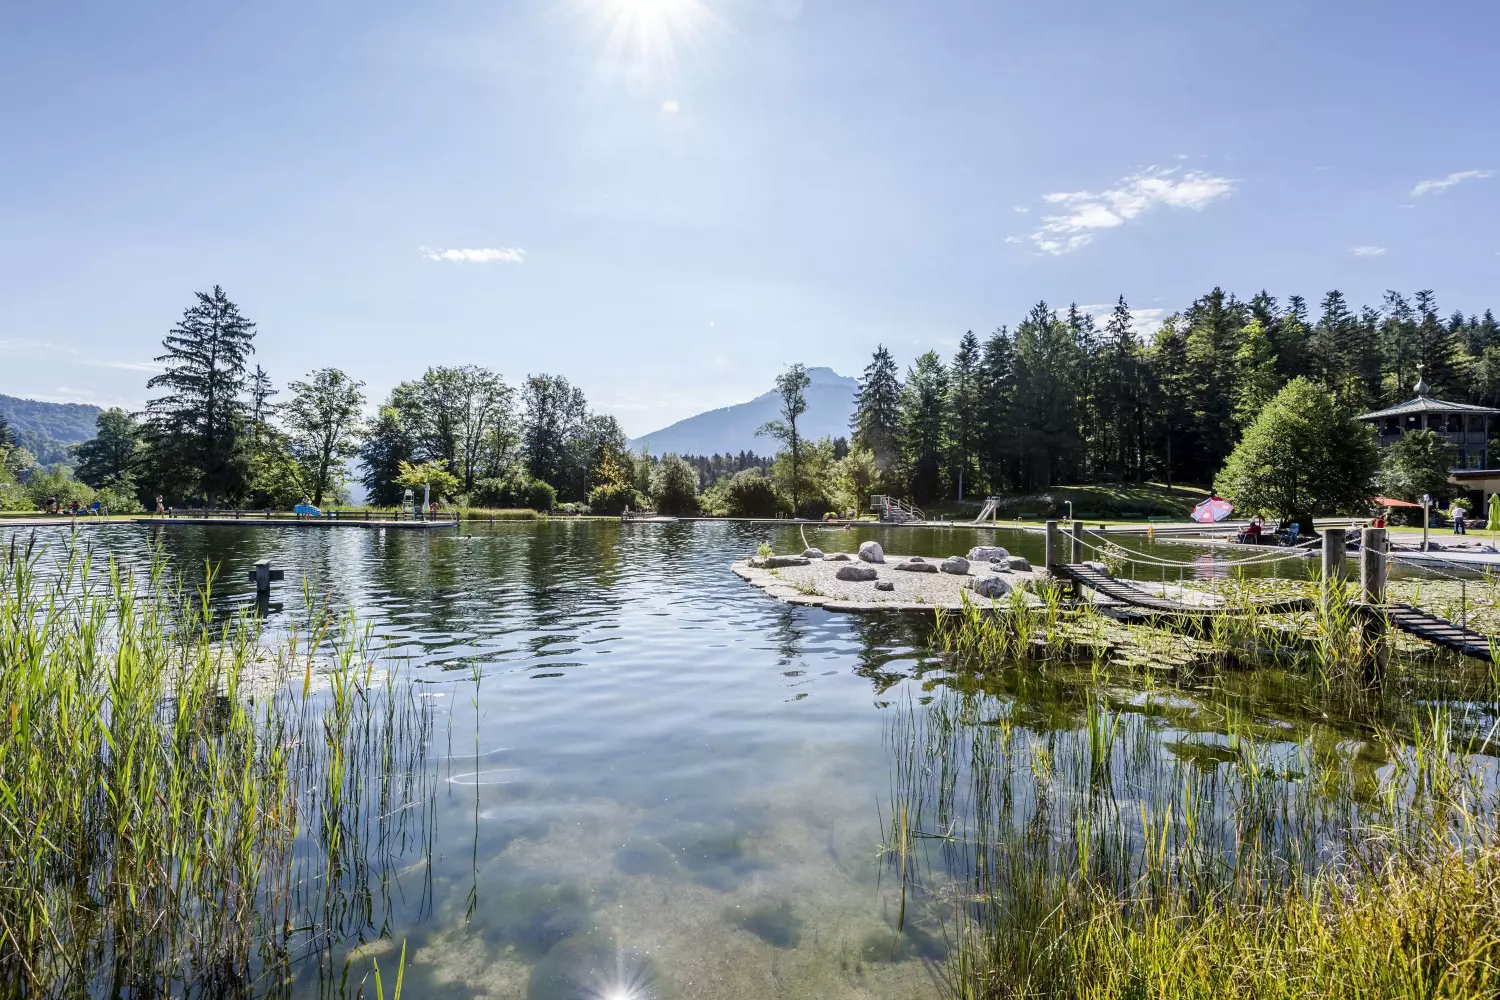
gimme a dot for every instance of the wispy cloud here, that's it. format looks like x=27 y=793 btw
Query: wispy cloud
x=1145 y=321
x=1367 y=251
x=1441 y=184
x=484 y=255
x=1133 y=196
x=1012 y=239
x=1020 y=208
x=131 y=366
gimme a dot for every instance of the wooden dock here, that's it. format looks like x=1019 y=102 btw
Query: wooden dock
x=258 y=519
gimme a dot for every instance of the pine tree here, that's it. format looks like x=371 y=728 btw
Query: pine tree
x=1213 y=338
x=877 y=411
x=997 y=429
x=1121 y=413
x=1046 y=405
x=1445 y=363
x=1258 y=381
x=963 y=407
x=195 y=428
x=1398 y=348
x=923 y=405
x=387 y=446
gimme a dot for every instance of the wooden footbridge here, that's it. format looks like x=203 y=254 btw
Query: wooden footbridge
x=1379 y=613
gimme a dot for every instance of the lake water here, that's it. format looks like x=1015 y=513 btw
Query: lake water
x=649 y=776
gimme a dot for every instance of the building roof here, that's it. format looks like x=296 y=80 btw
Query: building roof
x=1425 y=404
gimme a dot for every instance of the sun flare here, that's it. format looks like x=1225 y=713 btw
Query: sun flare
x=645 y=38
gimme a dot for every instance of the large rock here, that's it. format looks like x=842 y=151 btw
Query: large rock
x=812 y=553
x=857 y=574
x=988 y=553
x=884 y=585
x=836 y=557
x=957 y=565
x=871 y=552
x=1016 y=564
x=992 y=587
x=916 y=564
x=776 y=562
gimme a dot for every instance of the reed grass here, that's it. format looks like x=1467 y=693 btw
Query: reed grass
x=183 y=810
x=1177 y=843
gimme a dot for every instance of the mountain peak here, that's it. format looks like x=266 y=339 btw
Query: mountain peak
x=731 y=429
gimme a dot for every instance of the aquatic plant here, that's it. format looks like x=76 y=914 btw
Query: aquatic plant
x=182 y=809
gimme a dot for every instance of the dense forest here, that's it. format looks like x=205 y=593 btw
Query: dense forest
x=48 y=430
x=1063 y=398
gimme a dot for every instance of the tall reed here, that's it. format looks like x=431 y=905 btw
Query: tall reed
x=184 y=809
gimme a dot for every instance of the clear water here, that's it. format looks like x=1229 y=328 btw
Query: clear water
x=650 y=774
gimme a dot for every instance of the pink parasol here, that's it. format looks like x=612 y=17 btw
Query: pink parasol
x=1213 y=509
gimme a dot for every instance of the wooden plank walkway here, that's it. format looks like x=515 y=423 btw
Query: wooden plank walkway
x=1439 y=631
x=1103 y=583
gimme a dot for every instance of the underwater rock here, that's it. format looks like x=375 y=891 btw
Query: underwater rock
x=988 y=553
x=916 y=564
x=773 y=923
x=957 y=565
x=812 y=553
x=857 y=574
x=644 y=856
x=884 y=585
x=989 y=586
x=871 y=552
x=836 y=557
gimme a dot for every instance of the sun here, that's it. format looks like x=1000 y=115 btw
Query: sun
x=645 y=38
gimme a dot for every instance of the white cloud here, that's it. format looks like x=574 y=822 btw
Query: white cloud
x=670 y=107
x=1012 y=239
x=1144 y=321
x=1441 y=184
x=1085 y=211
x=131 y=366
x=1020 y=208
x=1406 y=205
x=485 y=255
x=1367 y=251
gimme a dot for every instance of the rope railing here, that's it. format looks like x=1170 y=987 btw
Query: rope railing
x=1114 y=550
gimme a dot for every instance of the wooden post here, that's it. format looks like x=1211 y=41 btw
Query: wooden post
x=1076 y=548
x=263 y=575
x=1333 y=555
x=1372 y=563
x=1054 y=545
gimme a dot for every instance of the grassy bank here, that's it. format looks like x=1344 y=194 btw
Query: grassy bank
x=184 y=811
x=1104 y=501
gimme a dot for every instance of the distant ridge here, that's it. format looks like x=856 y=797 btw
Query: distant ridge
x=48 y=429
x=731 y=429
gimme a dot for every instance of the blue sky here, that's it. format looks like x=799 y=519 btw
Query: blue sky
x=668 y=200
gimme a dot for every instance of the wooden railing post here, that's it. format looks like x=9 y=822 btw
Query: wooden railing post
x=1076 y=548
x=1372 y=572
x=1053 y=546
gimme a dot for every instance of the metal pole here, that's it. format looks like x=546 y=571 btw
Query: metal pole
x=1077 y=547
x=1372 y=567
x=1054 y=545
x=1426 y=518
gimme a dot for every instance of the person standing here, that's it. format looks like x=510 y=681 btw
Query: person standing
x=161 y=507
x=1458 y=519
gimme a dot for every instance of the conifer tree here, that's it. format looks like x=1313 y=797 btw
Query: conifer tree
x=923 y=401
x=196 y=426
x=1046 y=404
x=997 y=430
x=877 y=411
x=963 y=404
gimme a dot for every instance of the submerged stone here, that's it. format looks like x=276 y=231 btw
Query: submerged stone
x=871 y=552
x=590 y=965
x=773 y=923
x=644 y=856
x=957 y=565
x=856 y=574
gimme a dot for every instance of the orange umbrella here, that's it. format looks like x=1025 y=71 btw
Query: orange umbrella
x=1388 y=502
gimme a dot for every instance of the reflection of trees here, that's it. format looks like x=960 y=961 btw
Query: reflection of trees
x=790 y=633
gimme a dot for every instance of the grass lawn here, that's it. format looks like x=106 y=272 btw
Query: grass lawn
x=1123 y=502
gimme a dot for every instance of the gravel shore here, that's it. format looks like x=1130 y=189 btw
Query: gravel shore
x=817 y=585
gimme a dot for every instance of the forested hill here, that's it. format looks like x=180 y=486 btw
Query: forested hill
x=47 y=429
x=731 y=429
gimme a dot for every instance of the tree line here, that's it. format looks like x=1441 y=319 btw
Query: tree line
x=1063 y=398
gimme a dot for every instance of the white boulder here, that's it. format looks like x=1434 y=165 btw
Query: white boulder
x=871 y=552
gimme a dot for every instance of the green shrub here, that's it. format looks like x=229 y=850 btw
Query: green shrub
x=613 y=497
x=57 y=484
x=749 y=493
x=538 y=495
